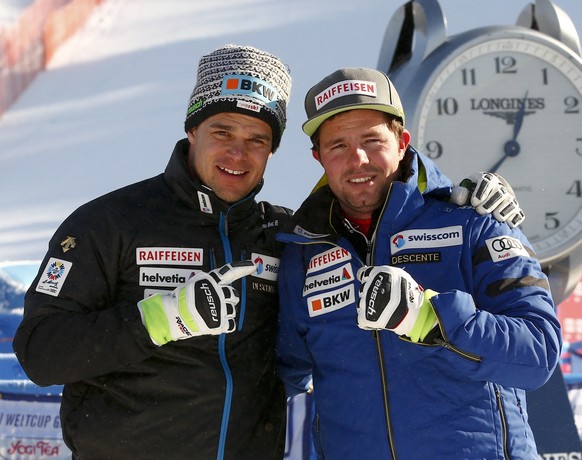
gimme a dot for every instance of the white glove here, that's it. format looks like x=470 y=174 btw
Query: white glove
x=205 y=305
x=391 y=299
x=489 y=193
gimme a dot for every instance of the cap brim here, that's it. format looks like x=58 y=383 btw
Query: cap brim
x=310 y=126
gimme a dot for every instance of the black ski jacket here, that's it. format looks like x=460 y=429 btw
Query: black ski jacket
x=211 y=397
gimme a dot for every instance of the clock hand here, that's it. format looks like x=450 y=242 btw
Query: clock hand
x=519 y=118
x=511 y=147
x=496 y=166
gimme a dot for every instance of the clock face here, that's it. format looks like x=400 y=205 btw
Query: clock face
x=511 y=103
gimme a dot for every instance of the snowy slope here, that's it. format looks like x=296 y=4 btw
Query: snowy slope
x=111 y=106
x=15 y=277
x=10 y=10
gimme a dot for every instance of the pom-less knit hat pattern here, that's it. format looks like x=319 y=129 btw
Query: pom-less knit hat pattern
x=245 y=80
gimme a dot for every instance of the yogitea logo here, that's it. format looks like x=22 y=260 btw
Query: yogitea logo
x=427 y=238
x=33 y=449
x=250 y=86
x=267 y=266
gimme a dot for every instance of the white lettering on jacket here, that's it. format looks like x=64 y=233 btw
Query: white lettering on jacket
x=169 y=256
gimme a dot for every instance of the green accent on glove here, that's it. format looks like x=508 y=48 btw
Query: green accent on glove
x=426 y=319
x=185 y=313
x=155 y=320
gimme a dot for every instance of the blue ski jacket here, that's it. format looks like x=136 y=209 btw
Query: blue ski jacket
x=459 y=395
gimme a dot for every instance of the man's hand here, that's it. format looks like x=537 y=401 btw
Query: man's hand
x=489 y=193
x=205 y=305
x=391 y=299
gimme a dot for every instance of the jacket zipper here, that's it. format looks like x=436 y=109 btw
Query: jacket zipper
x=503 y=422
x=378 y=339
x=445 y=343
x=371 y=244
x=223 y=230
x=386 y=402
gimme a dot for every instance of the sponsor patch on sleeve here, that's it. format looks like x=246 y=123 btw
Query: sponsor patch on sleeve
x=505 y=247
x=54 y=276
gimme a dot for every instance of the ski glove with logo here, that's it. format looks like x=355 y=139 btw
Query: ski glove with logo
x=489 y=193
x=391 y=299
x=205 y=305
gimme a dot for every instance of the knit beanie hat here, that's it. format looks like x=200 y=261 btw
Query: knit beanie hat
x=244 y=80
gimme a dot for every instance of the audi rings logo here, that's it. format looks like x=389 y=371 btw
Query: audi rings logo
x=505 y=244
x=505 y=247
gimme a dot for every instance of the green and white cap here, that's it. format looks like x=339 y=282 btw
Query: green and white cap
x=348 y=89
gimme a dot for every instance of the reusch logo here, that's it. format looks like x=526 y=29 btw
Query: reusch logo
x=208 y=292
x=249 y=86
x=379 y=286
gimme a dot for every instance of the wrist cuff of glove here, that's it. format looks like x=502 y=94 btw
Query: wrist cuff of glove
x=426 y=320
x=153 y=317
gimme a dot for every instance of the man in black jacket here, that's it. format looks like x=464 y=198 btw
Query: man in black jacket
x=142 y=308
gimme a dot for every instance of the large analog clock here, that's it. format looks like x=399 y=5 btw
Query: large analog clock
x=510 y=101
x=505 y=99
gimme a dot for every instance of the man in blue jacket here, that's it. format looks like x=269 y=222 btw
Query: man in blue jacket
x=419 y=323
